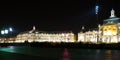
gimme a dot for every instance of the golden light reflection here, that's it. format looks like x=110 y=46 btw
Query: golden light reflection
x=108 y=55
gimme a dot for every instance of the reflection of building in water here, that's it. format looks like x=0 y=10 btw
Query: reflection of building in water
x=108 y=55
x=41 y=36
x=109 y=32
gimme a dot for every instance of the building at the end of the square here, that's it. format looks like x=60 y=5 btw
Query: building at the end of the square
x=108 y=32
x=111 y=29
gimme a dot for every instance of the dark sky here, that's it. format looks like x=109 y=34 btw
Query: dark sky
x=55 y=14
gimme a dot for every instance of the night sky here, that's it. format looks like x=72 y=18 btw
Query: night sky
x=54 y=15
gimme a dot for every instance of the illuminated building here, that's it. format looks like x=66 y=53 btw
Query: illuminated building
x=111 y=29
x=90 y=36
x=7 y=40
x=109 y=32
x=42 y=36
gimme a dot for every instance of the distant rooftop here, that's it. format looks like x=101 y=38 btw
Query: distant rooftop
x=113 y=19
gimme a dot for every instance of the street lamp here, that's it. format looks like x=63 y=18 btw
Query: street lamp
x=10 y=29
x=2 y=32
x=5 y=32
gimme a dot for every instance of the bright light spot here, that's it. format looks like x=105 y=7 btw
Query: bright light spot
x=66 y=35
x=11 y=47
x=96 y=9
x=81 y=38
x=10 y=29
x=62 y=34
x=6 y=31
x=2 y=32
x=119 y=27
x=36 y=32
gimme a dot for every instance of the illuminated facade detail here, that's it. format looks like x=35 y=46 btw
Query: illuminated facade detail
x=33 y=27
x=112 y=13
x=110 y=29
x=41 y=36
x=96 y=9
x=109 y=32
x=90 y=36
x=83 y=27
x=7 y=40
x=81 y=37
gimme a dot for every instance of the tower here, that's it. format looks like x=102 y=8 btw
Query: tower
x=112 y=13
x=33 y=27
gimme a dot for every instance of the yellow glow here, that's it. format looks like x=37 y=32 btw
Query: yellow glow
x=81 y=37
x=45 y=37
x=110 y=30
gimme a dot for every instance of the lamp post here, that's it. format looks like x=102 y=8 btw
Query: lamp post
x=5 y=32
x=10 y=29
x=2 y=33
x=99 y=34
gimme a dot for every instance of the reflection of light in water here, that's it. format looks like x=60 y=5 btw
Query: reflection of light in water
x=116 y=55
x=88 y=50
x=66 y=55
x=108 y=52
x=12 y=47
x=98 y=51
x=108 y=55
x=8 y=49
x=97 y=55
x=116 y=51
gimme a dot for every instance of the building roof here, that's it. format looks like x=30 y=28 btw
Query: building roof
x=112 y=19
x=47 y=32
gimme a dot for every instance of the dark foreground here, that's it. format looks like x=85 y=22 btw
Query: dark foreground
x=40 y=53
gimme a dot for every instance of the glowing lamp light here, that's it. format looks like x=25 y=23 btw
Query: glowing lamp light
x=10 y=29
x=6 y=31
x=2 y=32
x=96 y=9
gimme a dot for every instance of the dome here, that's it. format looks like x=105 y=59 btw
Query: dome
x=113 y=19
